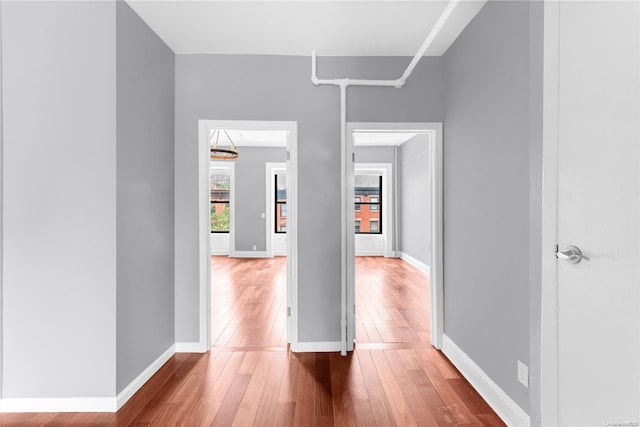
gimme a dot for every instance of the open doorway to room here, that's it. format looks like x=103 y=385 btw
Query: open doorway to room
x=396 y=224
x=249 y=292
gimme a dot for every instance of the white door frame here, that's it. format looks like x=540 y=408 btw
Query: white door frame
x=204 y=263
x=271 y=168
x=549 y=275
x=434 y=130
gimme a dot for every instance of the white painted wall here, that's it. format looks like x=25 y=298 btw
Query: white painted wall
x=59 y=199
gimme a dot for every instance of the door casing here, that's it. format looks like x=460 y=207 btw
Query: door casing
x=204 y=264
x=436 y=312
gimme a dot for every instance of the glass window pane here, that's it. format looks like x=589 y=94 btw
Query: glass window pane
x=373 y=226
x=281 y=187
x=219 y=184
x=219 y=217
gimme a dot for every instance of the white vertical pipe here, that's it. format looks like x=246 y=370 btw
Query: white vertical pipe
x=345 y=197
x=343 y=219
x=395 y=201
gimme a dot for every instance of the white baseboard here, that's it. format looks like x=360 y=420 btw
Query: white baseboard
x=219 y=253
x=191 y=347
x=315 y=347
x=414 y=262
x=86 y=404
x=59 y=404
x=370 y=253
x=249 y=254
x=504 y=406
x=144 y=376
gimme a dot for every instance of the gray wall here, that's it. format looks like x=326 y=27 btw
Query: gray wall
x=59 y=206
x=381 y=154
x=415 y=204
x=250 y=227
x=228 y=87
x=145 y=208
x=486 y=193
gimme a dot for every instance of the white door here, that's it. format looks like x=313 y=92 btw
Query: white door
x=598 y=309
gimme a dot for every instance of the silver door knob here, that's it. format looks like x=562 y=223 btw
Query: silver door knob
x=572 y=254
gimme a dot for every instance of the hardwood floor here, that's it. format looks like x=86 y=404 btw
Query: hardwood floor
x=248 y=302
x=393 y=378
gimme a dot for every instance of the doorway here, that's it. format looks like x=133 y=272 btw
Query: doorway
x=393 y=135
x=246 y=133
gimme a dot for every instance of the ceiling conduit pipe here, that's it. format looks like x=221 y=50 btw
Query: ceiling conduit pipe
x=346 y=198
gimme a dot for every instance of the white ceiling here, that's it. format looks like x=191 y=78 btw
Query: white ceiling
x=333 y=28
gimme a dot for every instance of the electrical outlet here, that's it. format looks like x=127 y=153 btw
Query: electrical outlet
x=523 y=374
x=254 y=247
x=263 y=215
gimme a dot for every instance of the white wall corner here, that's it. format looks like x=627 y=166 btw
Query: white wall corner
x=86 y=404
x=144 y=376
x=414 y=262
x=499 y=401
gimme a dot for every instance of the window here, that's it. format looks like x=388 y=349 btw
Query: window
x=368 y=203
x=374 y=207
x=281 y=203
x=219 y=198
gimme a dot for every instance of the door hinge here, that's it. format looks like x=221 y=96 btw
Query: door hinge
x=353 y=157
x=288 y=311
x=354 y=309
x=288 y=155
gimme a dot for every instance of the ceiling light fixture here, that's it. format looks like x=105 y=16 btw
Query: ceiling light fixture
x=224 y=152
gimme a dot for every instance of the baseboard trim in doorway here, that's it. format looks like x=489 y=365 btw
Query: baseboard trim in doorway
x=414 y=262
x=499 y=401
x=144 y=376
x=249 y=254
x=315 y=346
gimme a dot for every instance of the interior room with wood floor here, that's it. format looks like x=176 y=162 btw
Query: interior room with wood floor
x=319 y=213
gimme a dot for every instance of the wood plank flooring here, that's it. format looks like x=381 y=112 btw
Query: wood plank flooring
x=393 y=378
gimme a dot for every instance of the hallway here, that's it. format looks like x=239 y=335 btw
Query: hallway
x=393 y=378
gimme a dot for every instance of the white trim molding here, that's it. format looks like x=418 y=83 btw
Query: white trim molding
x=436 y=291
x=87 y=404
x=316 y=346
x=414 y=262
x=499 y=401
x=144 y=376
x=59 y=404
x=249 y=254
x=204 y=264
